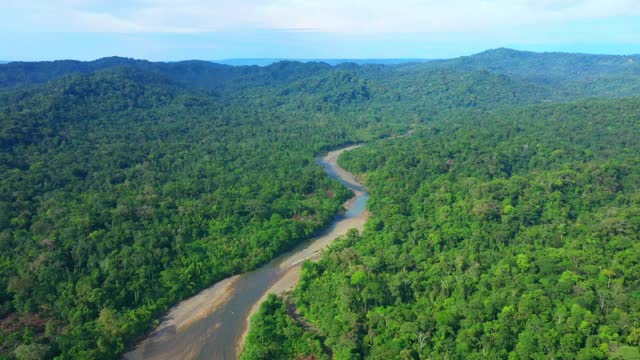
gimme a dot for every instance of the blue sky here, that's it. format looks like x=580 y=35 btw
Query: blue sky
x=206 y=29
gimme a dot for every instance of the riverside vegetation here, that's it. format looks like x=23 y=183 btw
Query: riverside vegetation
x=505 y=226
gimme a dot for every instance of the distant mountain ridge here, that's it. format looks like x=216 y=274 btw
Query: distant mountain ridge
x=564 y=74
x=269 y=61
x=547 y=67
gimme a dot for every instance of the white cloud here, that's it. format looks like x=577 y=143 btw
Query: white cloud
x=342 y=16
x=438 y=15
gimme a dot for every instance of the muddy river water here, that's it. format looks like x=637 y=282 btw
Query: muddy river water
x=213 y=323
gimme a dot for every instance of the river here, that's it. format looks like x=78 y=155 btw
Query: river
x=213 y=323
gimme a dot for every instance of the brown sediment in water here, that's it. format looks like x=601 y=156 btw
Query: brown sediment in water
x=293 y=264
x=196 y=328
x=181 y=317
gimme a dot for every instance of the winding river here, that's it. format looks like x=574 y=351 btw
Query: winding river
x=213 y=324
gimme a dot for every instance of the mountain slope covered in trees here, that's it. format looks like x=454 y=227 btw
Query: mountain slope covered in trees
x=552 y=67
x=127 y=185
x=122 y=193
x=561 y=73
x=505 y=235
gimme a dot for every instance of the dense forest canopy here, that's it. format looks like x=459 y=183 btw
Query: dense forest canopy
x=562 y=73
x=505 y=226
x=552 y=67
x=505 y=235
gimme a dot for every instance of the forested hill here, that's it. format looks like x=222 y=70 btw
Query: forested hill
x=202 y=74
x=127 y=186
x=123 y=192
x=267 y=61
x=565 y=74
x=311 y=86
x=562 y=75
x=545 y=67
x=511 y=235
x=25 y=73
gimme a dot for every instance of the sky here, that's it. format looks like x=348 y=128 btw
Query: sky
x=170 y=30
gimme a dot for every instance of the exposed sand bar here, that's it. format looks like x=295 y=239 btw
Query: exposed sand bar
x=213 y=323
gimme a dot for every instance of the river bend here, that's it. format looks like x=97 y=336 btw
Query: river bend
x=214 y=323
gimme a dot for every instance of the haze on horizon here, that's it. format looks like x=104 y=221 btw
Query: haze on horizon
x=358 y=29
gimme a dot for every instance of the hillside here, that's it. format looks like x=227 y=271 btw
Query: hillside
x=122 y=193
x=507 y=235
x=548 y=68
x=194 y=74
x=127 y=186
x=553 y=75
x=561 y=75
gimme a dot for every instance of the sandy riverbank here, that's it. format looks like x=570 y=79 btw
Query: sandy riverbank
x=181 y=317
x=293 y=263
x=176 y=338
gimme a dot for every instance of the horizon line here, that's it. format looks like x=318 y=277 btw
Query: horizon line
x=320 y=59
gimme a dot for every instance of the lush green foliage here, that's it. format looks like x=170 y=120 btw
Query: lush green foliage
x=126 y=186
x=274 y=335
x=532 y=76
x=507 y=235
x=122 y=193
x=559 y=75
x=550 y=68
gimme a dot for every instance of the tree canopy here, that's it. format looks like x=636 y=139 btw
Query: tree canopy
x=505 y=226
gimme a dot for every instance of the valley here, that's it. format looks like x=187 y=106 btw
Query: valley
x=178 y=209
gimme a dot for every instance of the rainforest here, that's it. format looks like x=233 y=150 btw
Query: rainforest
x=504 y=204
